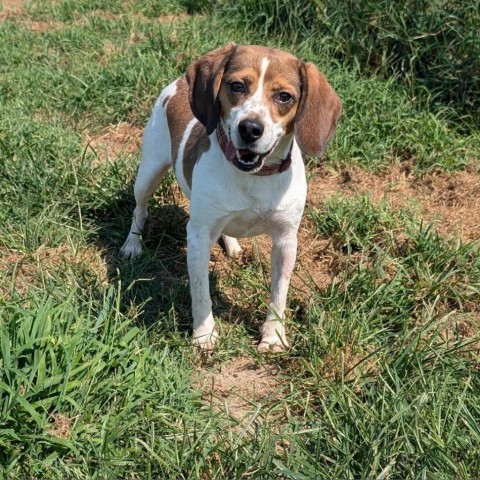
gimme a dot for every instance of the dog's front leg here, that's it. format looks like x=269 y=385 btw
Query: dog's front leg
x=284 y=252
x=199 y=244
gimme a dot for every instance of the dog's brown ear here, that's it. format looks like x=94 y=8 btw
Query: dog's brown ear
x=204 y=78
x=318 y=112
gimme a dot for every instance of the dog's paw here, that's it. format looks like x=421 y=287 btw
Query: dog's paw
x=276 y=346
x=232 y=247
x=132 y=248
x=205 y=340
x=273 y=338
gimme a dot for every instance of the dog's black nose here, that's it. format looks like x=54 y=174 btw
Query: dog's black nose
x=250 y=130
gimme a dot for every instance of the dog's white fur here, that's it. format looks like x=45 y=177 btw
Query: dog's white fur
x=225 y=200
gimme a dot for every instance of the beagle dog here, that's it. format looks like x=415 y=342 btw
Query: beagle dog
x=234 y=129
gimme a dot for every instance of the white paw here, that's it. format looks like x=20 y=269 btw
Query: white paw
x=132 y=248
x=274 y=345
x=205 y=340
x=232 y=247
x=273 y=337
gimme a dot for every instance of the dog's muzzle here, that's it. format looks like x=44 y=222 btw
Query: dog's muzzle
x=249 y=161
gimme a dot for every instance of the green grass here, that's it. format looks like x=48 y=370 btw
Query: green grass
x=97 y=376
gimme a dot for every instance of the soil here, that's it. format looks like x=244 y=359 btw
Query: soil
x=242 y=388
x=11 y=9
x=450 y=200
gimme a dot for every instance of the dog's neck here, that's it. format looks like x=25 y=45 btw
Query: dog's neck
x=229 y=151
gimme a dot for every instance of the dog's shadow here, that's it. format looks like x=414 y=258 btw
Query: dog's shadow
x=154 y=287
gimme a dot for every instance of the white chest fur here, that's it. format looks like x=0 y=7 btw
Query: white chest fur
x=242 y=205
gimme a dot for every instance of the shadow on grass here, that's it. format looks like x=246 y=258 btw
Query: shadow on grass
x=154 y=287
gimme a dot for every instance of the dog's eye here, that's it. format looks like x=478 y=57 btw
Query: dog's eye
x=237 y=87
x=284 y=97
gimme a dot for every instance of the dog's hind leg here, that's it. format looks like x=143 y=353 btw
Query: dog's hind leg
x=156 y=159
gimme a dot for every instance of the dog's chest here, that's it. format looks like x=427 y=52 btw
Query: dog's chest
x=250 y=222
x=241 y=205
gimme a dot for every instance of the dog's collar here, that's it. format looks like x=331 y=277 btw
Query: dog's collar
x=229 y=151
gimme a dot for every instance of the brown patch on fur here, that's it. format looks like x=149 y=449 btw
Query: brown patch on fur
x=197 y=144
x=318 y=112
x=166 y=100
x=179 y=115
x=241 y=68
x=283 y=75
x=225 y=100
x=204 y=78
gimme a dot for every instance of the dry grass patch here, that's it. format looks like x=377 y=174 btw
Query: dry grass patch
x=117 y=140
x=61 y=426
x=349 y=364
x=461 y=325
x=11 y=9
x=14 y=10
x=23 y=271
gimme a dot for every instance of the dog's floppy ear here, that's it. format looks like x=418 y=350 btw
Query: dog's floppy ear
x=318 y=112
x=204 y=78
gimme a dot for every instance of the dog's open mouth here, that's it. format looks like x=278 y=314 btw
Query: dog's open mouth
x=249 y=161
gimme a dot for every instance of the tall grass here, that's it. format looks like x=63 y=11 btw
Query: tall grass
x=97 y=377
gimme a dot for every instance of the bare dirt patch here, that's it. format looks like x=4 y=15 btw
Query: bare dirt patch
x=313 y=268
x=123 y=138
x=242 y=388
x=451 y=200
x=40 y=26
x=172 y=18
x=11 y=9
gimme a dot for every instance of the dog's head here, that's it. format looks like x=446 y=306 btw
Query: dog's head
x=262 y=97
